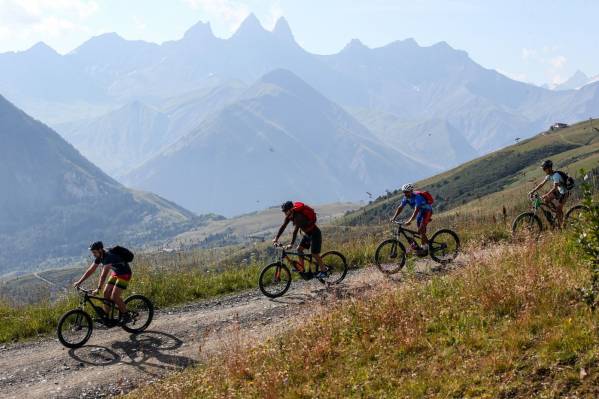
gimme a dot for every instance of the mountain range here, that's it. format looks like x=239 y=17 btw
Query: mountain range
x=203 y=120
x=55 y=202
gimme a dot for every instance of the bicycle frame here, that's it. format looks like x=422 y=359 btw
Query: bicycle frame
x=86 y=298
x=547 y=209
x=285 y=256
x=410 y=235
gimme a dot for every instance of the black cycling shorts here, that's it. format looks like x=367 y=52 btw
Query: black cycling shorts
x=312 y=241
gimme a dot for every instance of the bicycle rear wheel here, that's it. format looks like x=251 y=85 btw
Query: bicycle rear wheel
x=74 y=328
x=526 y=226
x=390 y=256
x=336 y=267
x=444 y=246
x=275 y=280
x=141 y=313
x=575 y=215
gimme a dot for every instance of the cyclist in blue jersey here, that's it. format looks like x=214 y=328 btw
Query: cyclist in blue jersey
x=423 y=212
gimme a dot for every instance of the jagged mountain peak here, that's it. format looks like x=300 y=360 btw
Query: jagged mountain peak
x=200 y=30
x=250 y=27
x=282 y=30
x=42 y=49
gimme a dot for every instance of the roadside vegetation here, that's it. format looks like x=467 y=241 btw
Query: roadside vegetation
x=511 y=324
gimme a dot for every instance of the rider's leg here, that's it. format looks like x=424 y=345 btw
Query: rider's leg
x=304 y=245
x=116 y=298
x=107 y=295
x=559 y=213
x=300 y=260
x=316 y=241
x=422 y=221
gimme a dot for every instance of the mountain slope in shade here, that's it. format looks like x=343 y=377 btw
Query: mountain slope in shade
x=281 y=140
x=123 y=139
x=56 y=202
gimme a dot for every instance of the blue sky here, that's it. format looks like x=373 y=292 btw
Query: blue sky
x=536 y=41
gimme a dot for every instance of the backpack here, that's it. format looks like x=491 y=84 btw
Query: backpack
x=427 y=196
x=569 y=182
x=305 y=210
x=126 y=255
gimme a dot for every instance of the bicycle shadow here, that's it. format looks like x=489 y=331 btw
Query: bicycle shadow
x=293 y=299
x=145 y=351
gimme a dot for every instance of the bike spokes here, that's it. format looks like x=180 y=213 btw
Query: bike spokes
x=274 y=280
x=527 y=226
x=140 y=312
x=390 y=257
x=336 y=267
x=74 y=328
x=444 y=246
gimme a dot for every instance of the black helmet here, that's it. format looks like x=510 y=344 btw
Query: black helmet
x=96 y=246
x=547 y=164
x=286 y=206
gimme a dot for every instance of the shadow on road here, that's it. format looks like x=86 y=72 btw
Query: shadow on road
x=145 y=351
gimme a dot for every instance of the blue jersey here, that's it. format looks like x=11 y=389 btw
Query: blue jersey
x=417 y=201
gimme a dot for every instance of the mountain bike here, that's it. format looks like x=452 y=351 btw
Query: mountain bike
x=390 y=256
x=75 y=326
x=529 y=224
x=275 y=279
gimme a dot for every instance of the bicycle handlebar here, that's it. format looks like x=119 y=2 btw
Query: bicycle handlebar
x=83 y=290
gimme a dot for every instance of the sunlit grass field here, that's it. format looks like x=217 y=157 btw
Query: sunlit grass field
x=511 y=324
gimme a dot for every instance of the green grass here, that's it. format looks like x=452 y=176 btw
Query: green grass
x=494 y=179
x=509 y=325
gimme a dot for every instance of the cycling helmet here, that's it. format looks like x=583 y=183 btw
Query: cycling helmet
x=547 y=164
x=286 y=206
x=96 y=246
x=407 y=187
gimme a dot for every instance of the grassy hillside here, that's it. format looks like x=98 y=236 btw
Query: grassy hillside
x=509 y=325
x=512 y=171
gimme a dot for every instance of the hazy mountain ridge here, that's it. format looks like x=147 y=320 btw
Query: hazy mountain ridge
x=56 y=202
x=254 y=153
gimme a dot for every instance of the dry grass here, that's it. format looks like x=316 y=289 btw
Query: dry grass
x=509 y=325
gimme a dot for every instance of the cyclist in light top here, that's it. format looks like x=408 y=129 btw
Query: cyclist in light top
x=558 y=194
x=423 y=212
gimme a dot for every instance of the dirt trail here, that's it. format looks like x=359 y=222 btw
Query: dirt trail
x=115 y=361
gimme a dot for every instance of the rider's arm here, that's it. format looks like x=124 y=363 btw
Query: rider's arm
x=554 y=189
x=294 y=236
x=397 y=212
x=416 y=209
x=534 y=190
x=90 y=270
x=103 y=275
x=281 y=229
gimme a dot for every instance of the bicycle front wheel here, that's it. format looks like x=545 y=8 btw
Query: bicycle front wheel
x=336 y=267
x=141 y=313
x=390 y=256
x=526 y=225
x=444 y=246
x=74 y=328
x=275 y=280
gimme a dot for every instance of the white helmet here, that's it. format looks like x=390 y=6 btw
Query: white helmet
x=407 y=187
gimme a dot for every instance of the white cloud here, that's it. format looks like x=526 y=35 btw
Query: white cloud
x=32 y=20
x=230 y=12
x=139 y=23
x=558 y=62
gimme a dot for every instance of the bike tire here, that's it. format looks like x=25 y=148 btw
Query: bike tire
x=572 y=212
x=536 y=226
x=269 y=272
x=149 y=307
x=379 y=256
x=434 y=251
x=334 y=260
x=79 y=316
